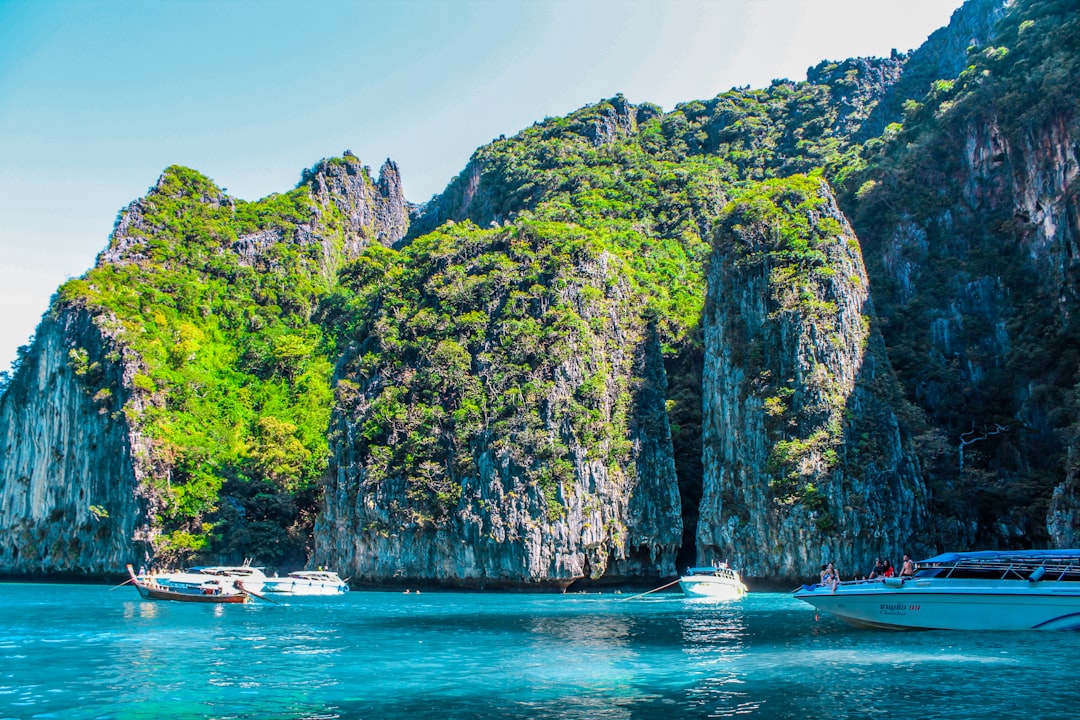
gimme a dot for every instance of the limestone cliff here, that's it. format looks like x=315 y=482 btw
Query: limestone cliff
x=942 y=57
x=1063 y=519
x=502 y=409
x=372 y=210
x=969 y=222
x=110 y=450
x=71 y=500
x=522 y=441
x=510 y=372
x=805 y=461
x=1012 y=238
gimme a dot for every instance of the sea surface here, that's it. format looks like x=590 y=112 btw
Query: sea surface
x=78 y=651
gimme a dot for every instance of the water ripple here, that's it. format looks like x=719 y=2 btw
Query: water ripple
x=81 y=653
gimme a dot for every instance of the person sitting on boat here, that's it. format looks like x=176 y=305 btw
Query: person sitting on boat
x=889 y=571
x=908 y=568
x=878 y=571
x=829 y=576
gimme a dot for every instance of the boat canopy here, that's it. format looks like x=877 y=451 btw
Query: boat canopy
x=1031 y=556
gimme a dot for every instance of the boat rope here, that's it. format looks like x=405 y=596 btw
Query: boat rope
x=121 y=584
x=255 y=594
x=651 y=591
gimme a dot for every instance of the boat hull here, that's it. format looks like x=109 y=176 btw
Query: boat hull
x=307 y=582
x=949 y=605
x=291 y=587
x=705 y=586
x=153 y=593
x=180 y=592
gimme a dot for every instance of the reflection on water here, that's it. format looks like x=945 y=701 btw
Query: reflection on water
x=581 y=661
x=604 y=631
x=78 y=652
x=713 y=635
x=146 y=609
x=720 y=631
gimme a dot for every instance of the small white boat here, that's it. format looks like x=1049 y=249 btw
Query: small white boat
x=720 y=582
x=307 y=582
x=989 y=590
x=253 y=578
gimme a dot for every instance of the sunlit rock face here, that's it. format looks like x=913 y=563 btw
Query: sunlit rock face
x=81 y=483
x=541 y=492
x=70 y=501
x=375 y=210
x=805 y=460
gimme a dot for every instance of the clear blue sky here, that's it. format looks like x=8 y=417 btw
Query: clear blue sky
x=97 y=97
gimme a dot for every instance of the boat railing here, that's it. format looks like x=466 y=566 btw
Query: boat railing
x=1064 y=569
x=719 y=571
x=1046 y=568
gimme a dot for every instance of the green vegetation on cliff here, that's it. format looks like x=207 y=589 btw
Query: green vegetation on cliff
x=462 y=339
x=233 y=379
x=782 y=230
x=514 y=317
x=950 y=209
x=647 y=186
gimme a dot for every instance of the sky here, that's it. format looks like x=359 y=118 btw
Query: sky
x=97 y=97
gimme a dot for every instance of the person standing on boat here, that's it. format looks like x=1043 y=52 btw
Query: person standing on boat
x=908 y=568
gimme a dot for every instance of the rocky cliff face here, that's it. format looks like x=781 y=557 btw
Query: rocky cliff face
x=83 y=480
x=1063 y=519
x=942 y=57
x=983 y=322
x=971 y=235
x=857 y=86
x=70 y=495
x=374 y=210
x=805 y=461
x=527 y=448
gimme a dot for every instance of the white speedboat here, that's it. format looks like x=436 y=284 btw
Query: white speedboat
x=307 y=582
x=989 y=590
x=720 y=582
x=253 y=578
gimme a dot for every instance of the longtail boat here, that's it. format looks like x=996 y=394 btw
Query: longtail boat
x=189 y=587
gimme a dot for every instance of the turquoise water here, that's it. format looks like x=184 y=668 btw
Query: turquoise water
x=69 y=651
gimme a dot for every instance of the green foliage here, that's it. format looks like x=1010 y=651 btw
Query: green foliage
x=976 y=272
x=780 y=225
x=236 y=374
x=263 y=517
x=463 y=346
x=460 y=335
x=778 y=405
